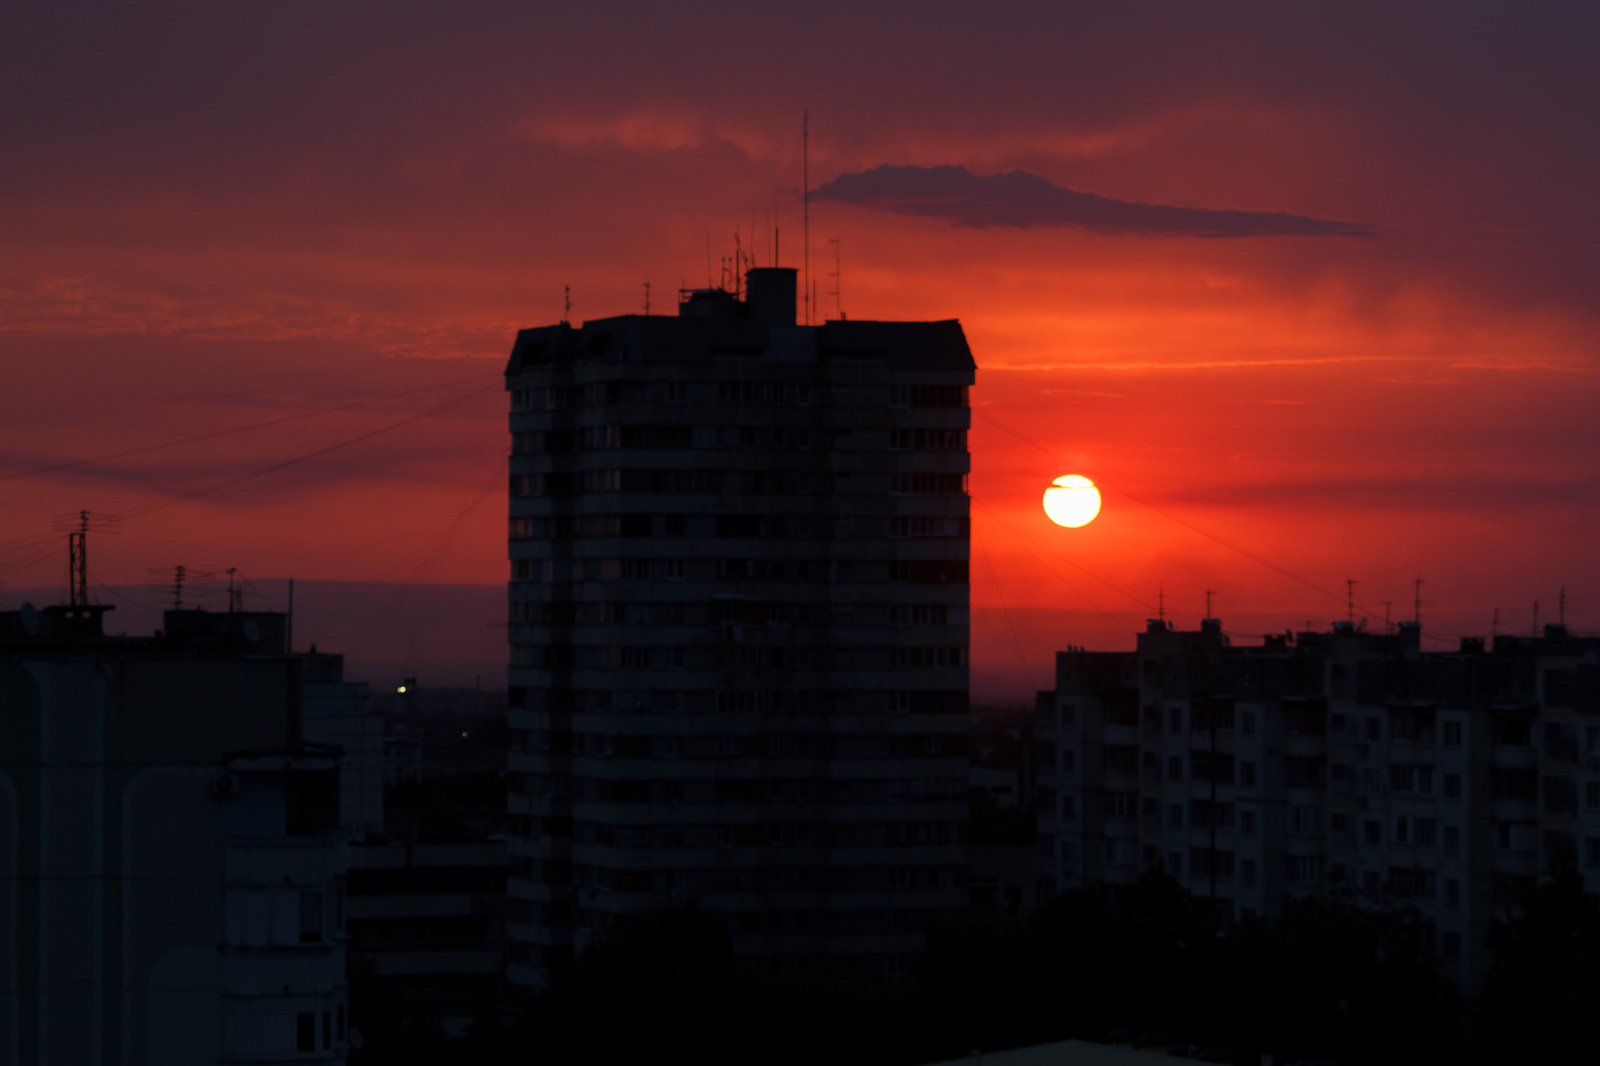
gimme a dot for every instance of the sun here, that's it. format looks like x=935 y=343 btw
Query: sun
x=1072 y=501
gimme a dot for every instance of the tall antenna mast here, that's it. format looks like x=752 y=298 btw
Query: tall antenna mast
x=1350 y=599
x=1386 y=605
x=647 y=298
x=1161 y=604
x=566 y=303
x=838 y=307
x=1561 y=615
x=805 y=204
x=76 y=526
x=235 y=594
x=1209 y=594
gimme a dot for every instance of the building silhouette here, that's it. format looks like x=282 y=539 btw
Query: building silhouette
x=1340 y=763
x=171 y=863
x=739 y=629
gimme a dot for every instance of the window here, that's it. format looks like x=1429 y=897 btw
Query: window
x=310 y=917
x=305 y=1032
x=1247 y=723
x=1247 y=822
x=1427 y=832
x=1374 y=730
x=1305 y=869
x=1452 y=839
x=1452 y=893
x=1591 y=795
x=1372 y=833
x=1247 y=873
x=1247 y=775
x=1450 y=944
x=1452 y=786
x=1175 y=768
x=1174 y=816
x=1069 y=808
x=1174 y=864
x=1452 y=734
x=1591 y=851
x=1402 y=830
x=1175 y=720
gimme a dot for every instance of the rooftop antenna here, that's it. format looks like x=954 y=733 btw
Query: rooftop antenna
x=235 y=594
x=178 y=575
x=1209 y=594
x=805 y=205
x=77 y=526
x=838 y=308
x=1561 y=615
x=647 y=298
x=1350 y=599
x=738 y=262
x=566 y=303
x=1161 y=604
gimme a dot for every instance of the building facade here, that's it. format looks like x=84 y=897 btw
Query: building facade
x=1342 y=762
x=738 y=625
x=171 y=865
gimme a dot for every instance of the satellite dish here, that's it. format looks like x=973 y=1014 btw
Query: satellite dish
x=30 y=619
x=252 y=632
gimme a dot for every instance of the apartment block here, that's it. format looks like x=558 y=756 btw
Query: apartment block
x=738 y=610
x=1341 y=763
x=171 y=865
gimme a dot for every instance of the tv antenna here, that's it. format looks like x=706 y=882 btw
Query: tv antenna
x=176 y=575
x=647 y=298
x=805 y=205
x=1350 y=599
x=838 y=308
x=77 y=526
x=235 y=593
x=1209 y=594
x=566 y=303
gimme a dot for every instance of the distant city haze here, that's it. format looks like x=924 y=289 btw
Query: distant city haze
x=454 y=635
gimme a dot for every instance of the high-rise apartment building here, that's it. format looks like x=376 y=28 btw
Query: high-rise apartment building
x=1340 y=763
x=738 y=626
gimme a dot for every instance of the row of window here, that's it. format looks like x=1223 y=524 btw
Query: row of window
x=787 y=700
x=1411 y=725
x=767 y=393
x=831 y=571
x=563 y=657
x=721 y=482
x=771 y=745
x=745 y=438
x=765 y=527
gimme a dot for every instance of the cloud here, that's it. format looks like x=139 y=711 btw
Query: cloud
x=1027 y=201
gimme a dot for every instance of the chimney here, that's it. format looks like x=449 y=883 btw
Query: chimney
x=770 y=294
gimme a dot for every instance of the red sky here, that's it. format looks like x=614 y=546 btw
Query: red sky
x=213 y=216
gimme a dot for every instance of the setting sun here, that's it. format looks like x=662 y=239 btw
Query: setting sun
x=1072 y=501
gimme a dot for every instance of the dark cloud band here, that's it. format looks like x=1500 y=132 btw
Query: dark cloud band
x=1027 y=201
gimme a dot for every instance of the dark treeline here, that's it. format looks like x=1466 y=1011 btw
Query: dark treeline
x=1327 y=980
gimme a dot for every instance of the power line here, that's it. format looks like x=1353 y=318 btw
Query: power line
x=228 y=432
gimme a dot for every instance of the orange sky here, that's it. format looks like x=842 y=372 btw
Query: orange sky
x=217 y=217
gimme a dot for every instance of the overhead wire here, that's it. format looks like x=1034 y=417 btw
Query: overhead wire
x=230 y=431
